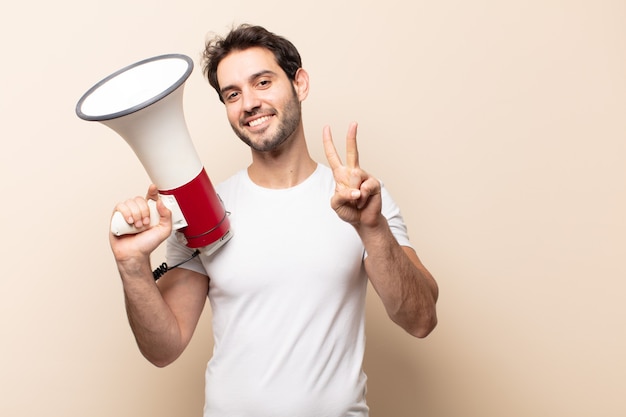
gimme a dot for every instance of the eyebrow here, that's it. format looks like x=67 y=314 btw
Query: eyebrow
x=250 y=78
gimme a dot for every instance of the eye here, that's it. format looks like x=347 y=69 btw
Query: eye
x=232 y=96
x=264 y=83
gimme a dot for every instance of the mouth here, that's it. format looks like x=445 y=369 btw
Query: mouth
x=258 y=121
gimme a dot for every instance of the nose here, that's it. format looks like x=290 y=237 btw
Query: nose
x=251 y=101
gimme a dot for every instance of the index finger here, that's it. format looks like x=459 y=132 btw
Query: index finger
x=329 y=148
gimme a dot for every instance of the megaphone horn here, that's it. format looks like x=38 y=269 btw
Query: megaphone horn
x=143 y=104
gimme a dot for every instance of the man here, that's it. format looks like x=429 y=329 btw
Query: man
x=287 y=292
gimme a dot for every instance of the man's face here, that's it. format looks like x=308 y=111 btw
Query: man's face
x=261 y=103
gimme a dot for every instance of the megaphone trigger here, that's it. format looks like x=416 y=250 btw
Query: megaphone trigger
x=178 y=219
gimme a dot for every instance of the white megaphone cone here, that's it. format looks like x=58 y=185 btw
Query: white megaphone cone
x=143 y=104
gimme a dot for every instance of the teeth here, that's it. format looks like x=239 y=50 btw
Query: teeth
x=258 y=121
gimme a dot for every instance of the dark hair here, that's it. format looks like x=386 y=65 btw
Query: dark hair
x=247 y=36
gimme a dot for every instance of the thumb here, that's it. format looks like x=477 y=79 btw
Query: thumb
x=153 y=193
x=164 y=213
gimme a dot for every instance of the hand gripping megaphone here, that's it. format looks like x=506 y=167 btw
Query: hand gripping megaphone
x=143 y=104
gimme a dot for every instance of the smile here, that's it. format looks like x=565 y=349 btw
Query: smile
x=259 y=121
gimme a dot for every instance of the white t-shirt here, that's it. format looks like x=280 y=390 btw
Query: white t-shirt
x=287 y=294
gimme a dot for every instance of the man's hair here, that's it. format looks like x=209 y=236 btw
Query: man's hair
x=248 y=36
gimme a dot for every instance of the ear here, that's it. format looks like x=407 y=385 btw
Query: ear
x=301 y=84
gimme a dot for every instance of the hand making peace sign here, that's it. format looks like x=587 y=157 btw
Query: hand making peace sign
x=357 y=194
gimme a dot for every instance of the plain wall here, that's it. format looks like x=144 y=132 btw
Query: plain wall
x=499 y=127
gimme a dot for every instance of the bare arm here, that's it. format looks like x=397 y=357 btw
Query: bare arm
x=406 y=288
x=162 y=317
x=408 y=291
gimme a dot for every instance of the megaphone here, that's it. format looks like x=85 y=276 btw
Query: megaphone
x=143 y=104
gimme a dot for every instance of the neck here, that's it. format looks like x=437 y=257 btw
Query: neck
x=282 y=168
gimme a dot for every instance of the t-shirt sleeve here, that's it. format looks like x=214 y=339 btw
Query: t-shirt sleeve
x=392 y=213
x=176 y=252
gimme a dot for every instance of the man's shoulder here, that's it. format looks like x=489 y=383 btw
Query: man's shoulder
x=234 y=179
x=323 y=174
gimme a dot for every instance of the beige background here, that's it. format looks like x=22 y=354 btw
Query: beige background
x=499 y=127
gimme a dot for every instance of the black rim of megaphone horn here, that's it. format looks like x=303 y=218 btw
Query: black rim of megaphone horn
x=140 y=106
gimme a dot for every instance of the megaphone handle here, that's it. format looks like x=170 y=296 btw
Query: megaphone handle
x=119 y=225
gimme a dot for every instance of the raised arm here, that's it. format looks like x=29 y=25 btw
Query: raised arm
x=406 y=288
x=162 y=316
